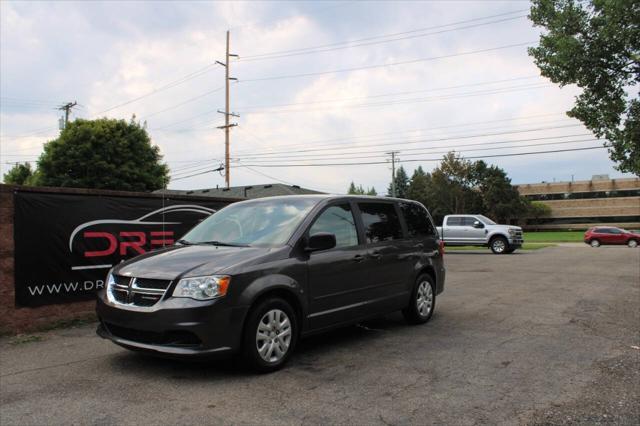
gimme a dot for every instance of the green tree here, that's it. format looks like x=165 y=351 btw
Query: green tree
x=595 y=44
x=104 y=154
x=460 y=186
x=538 y=210
x=500 y=200
x=372 y=191
x=20 y=174
x=356 y=190
x=402 y=184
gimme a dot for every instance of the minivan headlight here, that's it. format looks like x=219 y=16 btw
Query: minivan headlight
x=203 y=288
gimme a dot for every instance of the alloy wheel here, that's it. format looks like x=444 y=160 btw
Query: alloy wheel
x=273 y=336
x=424 y=299
x=632 y=243
x=595 y=243
x=499 y=245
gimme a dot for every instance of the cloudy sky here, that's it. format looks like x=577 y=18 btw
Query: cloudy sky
x=318 y=83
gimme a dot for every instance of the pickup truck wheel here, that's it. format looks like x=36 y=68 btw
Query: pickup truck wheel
x=499 y=245
x=510 y=250
x=270 y=335
x=423 y=301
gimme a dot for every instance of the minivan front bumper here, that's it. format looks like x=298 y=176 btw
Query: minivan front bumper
x=176 y=327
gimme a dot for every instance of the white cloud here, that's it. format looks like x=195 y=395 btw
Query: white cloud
x=119 y=51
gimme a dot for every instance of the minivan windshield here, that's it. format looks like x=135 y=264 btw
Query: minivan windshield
x=486 y=220
x=263 y=222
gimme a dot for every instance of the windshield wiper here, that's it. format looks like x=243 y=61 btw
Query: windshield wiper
x=184 y=242
x=220 y=243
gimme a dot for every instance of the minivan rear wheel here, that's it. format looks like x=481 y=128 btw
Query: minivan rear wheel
x=270 y=335
x=423 y=301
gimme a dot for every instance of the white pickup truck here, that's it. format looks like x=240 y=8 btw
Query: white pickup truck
x=478 y=230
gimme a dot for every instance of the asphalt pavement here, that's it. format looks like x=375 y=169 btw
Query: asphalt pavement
x=537 y=337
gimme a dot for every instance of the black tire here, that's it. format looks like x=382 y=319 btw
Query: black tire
x=510 y=250
x=412 y=314
x=499 y=245
x=250 y=353
x=594 y=243
x=633 y=243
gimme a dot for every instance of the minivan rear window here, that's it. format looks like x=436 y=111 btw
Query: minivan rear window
x=381 y=222
x=418 y=222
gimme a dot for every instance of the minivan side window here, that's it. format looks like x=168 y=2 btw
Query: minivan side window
x=381 y=222
x=337 y=220
x=418 y=223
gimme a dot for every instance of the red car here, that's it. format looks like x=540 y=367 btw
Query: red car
x=610 y=235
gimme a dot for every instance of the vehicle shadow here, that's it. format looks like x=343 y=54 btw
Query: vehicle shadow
x=309 y=351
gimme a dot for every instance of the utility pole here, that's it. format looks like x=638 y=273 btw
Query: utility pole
x=227 y=113
x=67 y=109
x=393 y=172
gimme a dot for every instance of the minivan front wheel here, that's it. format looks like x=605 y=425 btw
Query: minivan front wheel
x=423 y=301
x=270 y=335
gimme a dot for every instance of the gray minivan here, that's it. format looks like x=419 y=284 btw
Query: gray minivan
x=257 y=275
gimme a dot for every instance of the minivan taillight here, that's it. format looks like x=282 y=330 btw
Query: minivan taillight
x=441 y=248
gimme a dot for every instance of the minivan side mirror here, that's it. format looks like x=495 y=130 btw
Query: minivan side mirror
x=321 y=241
x=478 y=224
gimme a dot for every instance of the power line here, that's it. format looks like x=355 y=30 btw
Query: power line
x=166 y=86
x=382 y=36
x=495 y=91
x=267 y=176
x=394 y=37
x=372 y=136
x=378 y=154
x=195 y=174
x=169 y=85
x=470 y=136
x=412 y=61
x=423 y=150
x=427 y=159
x=409 y=92
x=186 y=101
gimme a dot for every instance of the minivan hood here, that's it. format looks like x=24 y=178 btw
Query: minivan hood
x=190 y=260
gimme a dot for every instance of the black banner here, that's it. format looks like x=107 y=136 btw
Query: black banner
x=65 y=244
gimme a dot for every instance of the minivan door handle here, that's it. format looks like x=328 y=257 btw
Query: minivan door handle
x=376 y=254
x=358 y=258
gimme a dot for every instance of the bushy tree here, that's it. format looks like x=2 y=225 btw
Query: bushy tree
x=104 y=154
x=538 y=210
x=595 y=44
x=359 y=190
x=460 y=186
x=19 y=174
x=499 y=198
x=402 y=184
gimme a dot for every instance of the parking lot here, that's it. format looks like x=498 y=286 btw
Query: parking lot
x=544 y=336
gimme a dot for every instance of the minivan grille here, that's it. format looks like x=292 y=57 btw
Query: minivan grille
x=143 y=292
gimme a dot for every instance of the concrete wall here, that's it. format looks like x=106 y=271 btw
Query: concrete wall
x=579 y=186
x=627 y=209
x=19 y=319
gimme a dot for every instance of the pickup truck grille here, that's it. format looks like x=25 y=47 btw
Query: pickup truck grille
x=143 y=292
